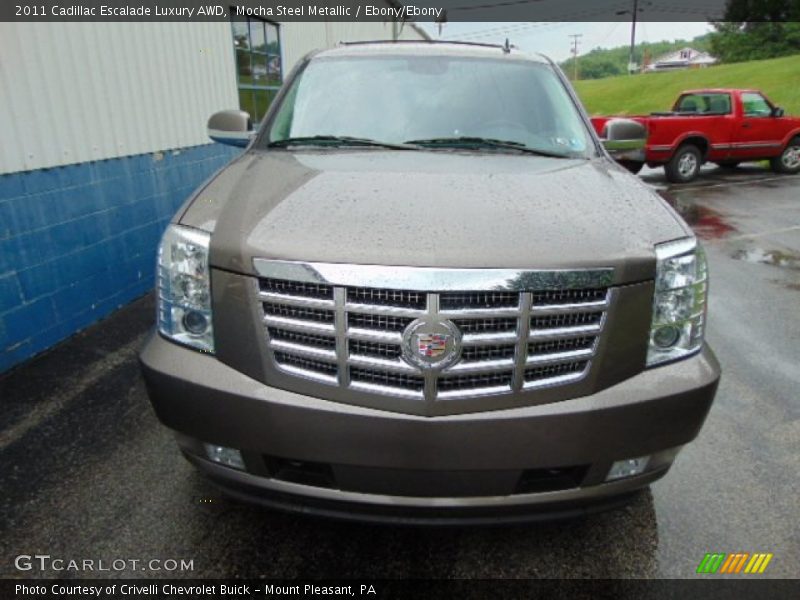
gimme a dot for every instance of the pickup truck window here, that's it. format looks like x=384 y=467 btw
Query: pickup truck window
x=394 y=100
x=755 y=105
x=716 y=104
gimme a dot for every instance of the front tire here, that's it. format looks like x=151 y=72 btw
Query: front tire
x=684 y=165
x=633 y=166
x=789 y=160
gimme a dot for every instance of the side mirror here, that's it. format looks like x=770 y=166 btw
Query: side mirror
x=625 y=140
x=778 y=111
x=231 y=127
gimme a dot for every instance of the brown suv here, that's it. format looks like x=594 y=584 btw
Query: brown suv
x=425 y=292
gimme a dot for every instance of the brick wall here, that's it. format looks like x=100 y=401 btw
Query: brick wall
x=78 y=242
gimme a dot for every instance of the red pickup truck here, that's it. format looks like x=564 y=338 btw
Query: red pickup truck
x=723 y=126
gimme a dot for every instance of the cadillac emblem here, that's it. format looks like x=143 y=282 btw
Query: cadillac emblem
x=431 y=344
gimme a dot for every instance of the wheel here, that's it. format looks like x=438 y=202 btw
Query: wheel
x=633 y=166
x=789 y=160
x=728 y=164
x=684 y=164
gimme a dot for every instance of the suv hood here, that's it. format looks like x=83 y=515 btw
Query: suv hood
x=432 y=209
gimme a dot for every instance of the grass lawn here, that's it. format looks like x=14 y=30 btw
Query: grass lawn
x=778 y=78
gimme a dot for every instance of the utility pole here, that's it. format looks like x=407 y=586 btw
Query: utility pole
x=575 y=41
x=633 y=34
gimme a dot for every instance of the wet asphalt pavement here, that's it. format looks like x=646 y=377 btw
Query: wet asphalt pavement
x=86 y=470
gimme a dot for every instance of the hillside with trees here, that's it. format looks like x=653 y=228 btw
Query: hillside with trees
x=757 y=30
x=608 y=62
x=750 y=31
x=648 y=92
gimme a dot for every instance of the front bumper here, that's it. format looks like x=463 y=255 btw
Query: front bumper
x=314 y=455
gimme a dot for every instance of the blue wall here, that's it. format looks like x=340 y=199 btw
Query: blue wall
x=78 y=242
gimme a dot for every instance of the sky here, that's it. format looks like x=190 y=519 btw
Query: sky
x=552 y=38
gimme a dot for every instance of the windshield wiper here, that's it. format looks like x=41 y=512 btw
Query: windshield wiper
x=336 y=140
x=459 y=142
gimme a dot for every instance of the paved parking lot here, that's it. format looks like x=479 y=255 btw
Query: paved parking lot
x=87 y=471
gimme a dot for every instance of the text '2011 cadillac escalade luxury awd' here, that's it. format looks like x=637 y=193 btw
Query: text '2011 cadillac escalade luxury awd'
x=424 y=293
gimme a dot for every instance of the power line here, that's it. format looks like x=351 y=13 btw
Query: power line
x=589 y=14
x=495 y=5
x=514 y=28
x=608 y=34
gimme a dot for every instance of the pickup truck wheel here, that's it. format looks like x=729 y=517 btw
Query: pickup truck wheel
x=789 y=160
x=684 y=164
x=632 y=165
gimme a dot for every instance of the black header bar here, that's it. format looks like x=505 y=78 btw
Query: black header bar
x=364 y=10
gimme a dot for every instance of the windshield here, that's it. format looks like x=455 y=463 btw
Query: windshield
x=432 y=101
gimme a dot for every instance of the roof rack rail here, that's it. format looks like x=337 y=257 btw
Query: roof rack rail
x=459 y=42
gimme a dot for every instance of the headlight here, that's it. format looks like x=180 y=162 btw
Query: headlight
x=679 y=303
x=184 y=288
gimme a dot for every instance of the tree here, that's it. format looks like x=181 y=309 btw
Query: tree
x=607 y=62
x=757 y=29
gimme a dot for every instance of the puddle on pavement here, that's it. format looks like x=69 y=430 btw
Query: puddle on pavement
x=706 y=222
x=795 y=287
x=775 y=258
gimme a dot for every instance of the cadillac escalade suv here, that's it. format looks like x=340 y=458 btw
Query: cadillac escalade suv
x=425 y=292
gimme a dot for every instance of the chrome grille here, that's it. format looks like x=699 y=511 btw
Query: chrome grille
x=296 y=288
x=563 y=345
x=567 y=296
x=468 y=383
x=386 y=379
x=298 y=313
x=486 y=325
x=511 y=341
x=398 y=298
x=287 y=336
x=549 y=372
x=378 y=322
x=461 y=300
x=474 y=353
x=566 y=320
x=376 y=349
x=306 y=366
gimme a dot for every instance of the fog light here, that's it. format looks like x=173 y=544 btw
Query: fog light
x=627 y=468
x=230 y=457
x=195 y=322
x=666 y=336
